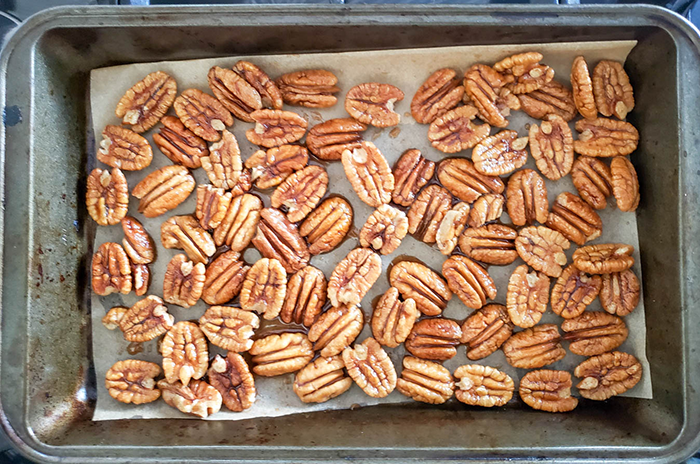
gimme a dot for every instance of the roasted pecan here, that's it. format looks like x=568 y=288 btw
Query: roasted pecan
x=232 y=378
x=202 y=114
x=264 y=288
x=455 y=130
x=124 y=149
x=353 y=277
x=607 y=375
x=594 y=333
x=212 y=205
x=593 y=180
x=427 y=212
x=185 y=353
x=373 y=103
x=336 y=329
x=384 y=229
x=330 y=139
x=411 y=172
x=436 y=338
x=604 y=258
x=111 y=270
x=625 y=184
x=441 y=92
x=612 y=89
x=535 y=347
x=486 y=90
x=269 y=168
x=223 y=165
x=322 y=380
x=107 y=196
x=305 y=297
x=146 y=320
x=573 y=292
x=278 y=238
x=327 y=225
x=551 y=98
x=229 y=328
x=281 y=354
x=301 y=192
x=240 y=222
x=486 y=330
x=113 y=317
x=180 y=144
x=529 y=74
x=469 y=281
x=276 y=127
x=420 y=283
x=605 y=137
x=371 y=368
x=132 y=381
x=583 y=89
x=483 y=386
x=543 y=249
x=491 y=244
x=137 y=243
x=620 y=292
x=369 y=174
x=147 y=101
x=527 y=198
x=459 y=176
x=234 y=92
x=552 y=147
x=528 y=295
x=183 y=282
x=197 y=398
x=548 y=390
x=270 y=95
x=487 y=208
x=185 y=233
x=392 y=319
x=500 y=154
x=141 y=277
x=163 y=190
x=313 y=88
x=425 y=381
x=451 y=227
x=575 y=220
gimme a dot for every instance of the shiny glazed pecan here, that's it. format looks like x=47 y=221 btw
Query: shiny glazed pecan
x=392 y=319
x=420 y=283
x=183 y=282
x=276 y=127
x=223 y=165
x=605 y=137
x=336 y=329
x=583 y=89
x=146 y=320
x=411 y=172
x=441 y=92
x=185 y=233
x=427 y=212
x=312 y=88
x=353 y=277
x=278 y=238
x=455 y=130
x=281 y=354
x=133 y=381
x=261 y=82
x=612 y=89
x=137 y=243
x=269 y=168
x=552 y=147
x=529 y=74
x=328 y=140
x=607 y=375
x=305 y=297
x=202 y=114
x=322 y=380
x=527 y=198
x=370 y=368
x=486 y=330
x=620 y=292
x=436 y=338
x=124 y=149
x=229 y=328
x=575 y=220
x=543 y=249
x=459 y=176
x=548 y=390
x=234 y=92
x=141 y=276
x=483 y=386
x=107 y=196
x=573 y=292
x=197 y=398
x=625 y=184
x=113 y=317
x=451 y=227
x=232 y=378
x=534 y=347
x=264 y=288
x=593 y=181
x=185 y=353
x=528 y=295
x=240 y=222
x=486 y=90
x=500 y=154
x=425 y=381
x=487 y=208
x=212 y=204
x=551 y=98
x=604 y=258
x=147 y=101
x=327 y=225
x=491 y=244
x=594 y=333
x=163 y=190
x=369 y=174
x=373 y=103
x=301 y=192
x=384 y=229
x=111 y=270
x=180 y=144
x=469 y=281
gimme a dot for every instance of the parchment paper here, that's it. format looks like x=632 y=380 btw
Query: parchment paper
x=406 y=69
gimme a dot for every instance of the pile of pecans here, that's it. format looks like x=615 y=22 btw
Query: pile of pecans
x=455 y=205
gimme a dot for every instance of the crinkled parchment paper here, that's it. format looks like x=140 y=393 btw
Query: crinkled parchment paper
x=406 y=69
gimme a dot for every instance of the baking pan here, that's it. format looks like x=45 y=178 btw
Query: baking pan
x=46 y=382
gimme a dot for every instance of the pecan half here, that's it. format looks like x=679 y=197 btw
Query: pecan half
x=593 y=181
x=594 y=333
x=137 y=242
x=384 y=229
x=180 y=144
x=551 y=98
x=607 y=375
x=147 y=101
x=270 y=95
x=529 y=74
x=232 y=378
x=427 y=212
x=269 y=168
x=420 y=283
x=353 y=277
x=372 y=103
x=124 y=149
x=212 y=205
x=133 y=381
x=527 y=198
x=202 y=114
x=500 y=154
x=305 y=297
x=328 y=140
x=146 y=320
x=111 y=270
x=487 y=208
x=113 y=317
x=301 y=192
x=435 y=338
x=264 y=288
x=240 y=222
x=197 y=398
x=483 y=386
x=223 y=165
x=278 y=238
x=485 y=88
x=486 y=330
x=583 y=89
x=234 y=92
x=620 y=292
x=312 y=88
x=411 y=172
x=183 y=282
x=141 y=277
x=548 y=390
x=604 y=258
x=369 y=174
x=281 y=354
x=625 y=184
x=336 y=329
x=459 y=176
x=527 y=297
x=612 y=89
x=276 y=127
x=441 y=92
x=552 y=147
x=229 y=328
x=451 y=227
x=575 y=220
x=543 y=249
x=605 y=137
x=107 y=196
x=425 y=381
x=163 y=190
x=469 y=281
x=455 y=130
x=535 y=347
x=321 y=380
x=392 y=319
x=573 y=292
x=185 y=353
x=185 y=233
x=370 y=368
x=491 y=244
x=327 y=225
